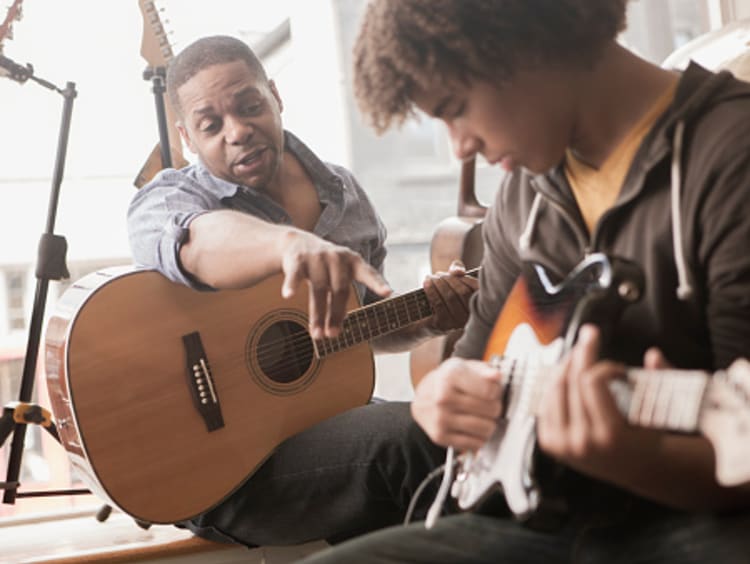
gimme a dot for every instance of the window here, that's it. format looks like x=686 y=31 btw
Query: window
x=15 y=288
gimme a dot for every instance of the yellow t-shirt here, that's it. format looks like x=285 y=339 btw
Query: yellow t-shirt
x=596 y=190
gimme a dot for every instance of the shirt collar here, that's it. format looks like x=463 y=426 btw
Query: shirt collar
x=327 y=182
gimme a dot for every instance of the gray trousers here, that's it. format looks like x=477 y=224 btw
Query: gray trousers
x=652 y=537
x=346 y=476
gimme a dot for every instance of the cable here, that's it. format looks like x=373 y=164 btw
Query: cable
x=434 y=512
x=412 y=504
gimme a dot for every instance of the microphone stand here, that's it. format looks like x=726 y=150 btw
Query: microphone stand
x=50 y=266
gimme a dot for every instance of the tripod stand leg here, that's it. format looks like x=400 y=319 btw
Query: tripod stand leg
x=7 y=423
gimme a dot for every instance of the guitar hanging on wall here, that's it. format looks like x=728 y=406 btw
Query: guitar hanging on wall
x=157 y=52
x=13 y=14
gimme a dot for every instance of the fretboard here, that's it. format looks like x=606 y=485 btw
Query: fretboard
x=378 y=319
x=661 y=399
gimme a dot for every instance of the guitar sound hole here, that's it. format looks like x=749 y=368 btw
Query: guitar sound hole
x=285 y=351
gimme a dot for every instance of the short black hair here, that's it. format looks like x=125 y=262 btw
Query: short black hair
x=206 y=52
x=405 y=45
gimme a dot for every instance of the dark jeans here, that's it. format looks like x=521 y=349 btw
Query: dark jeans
x=631 y=537
x=346 y=476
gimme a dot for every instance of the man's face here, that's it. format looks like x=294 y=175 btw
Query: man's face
x=232 y=120
x=526 y=122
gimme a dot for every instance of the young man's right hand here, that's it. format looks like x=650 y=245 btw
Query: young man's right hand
x=458 y=403
x=329 y=270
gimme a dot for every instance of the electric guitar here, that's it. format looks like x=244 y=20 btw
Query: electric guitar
x=157 y=52
x=167 y=399
x=537 y=326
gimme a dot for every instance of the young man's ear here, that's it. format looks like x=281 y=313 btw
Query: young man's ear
x=275 y=92
x=185 y=136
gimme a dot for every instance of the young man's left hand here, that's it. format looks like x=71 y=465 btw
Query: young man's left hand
x=448 y=294
x=580 y=423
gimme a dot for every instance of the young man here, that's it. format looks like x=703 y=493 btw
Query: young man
x=257 y=203
x=605 y=152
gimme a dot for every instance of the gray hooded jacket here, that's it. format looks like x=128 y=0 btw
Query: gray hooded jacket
x=683 y=214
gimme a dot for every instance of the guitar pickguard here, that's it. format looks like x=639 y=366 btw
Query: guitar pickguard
x=505 y=461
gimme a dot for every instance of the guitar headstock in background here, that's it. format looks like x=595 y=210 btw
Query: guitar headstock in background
x=155 y=46
x=12 y=15
x=725 y=421
x=157 y=51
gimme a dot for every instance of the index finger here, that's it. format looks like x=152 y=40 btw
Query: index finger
x=477 y=379
x=586 y=350
x=367 y=275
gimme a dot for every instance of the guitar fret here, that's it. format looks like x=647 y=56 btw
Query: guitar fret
x=665 y=389
x=666 y=399
x=378 y=319
x=649 y=401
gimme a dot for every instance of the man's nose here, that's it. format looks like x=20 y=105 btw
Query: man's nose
x=238 y=131
x=465 y=145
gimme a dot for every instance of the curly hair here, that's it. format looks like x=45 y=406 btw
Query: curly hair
x=206 y=52
x=405 y=45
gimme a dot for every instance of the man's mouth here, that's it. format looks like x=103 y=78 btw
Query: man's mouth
x=249 y=161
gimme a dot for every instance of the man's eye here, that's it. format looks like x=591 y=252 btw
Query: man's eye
x=208 y=126
x=251 y=109
x=458 y=110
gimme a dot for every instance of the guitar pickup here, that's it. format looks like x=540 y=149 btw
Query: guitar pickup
x=201 y=382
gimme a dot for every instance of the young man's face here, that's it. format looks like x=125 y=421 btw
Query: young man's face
x=526 y=122
x=231 y=119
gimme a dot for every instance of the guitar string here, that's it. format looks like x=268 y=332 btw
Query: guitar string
x=529 y=372
x=399 y=306
x=301 y=337
x=299 y=348
x=346 y=338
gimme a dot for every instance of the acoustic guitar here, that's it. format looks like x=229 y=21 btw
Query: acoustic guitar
x=537 y=325
x=167 y=399
x=157 y=52
x=456 y=238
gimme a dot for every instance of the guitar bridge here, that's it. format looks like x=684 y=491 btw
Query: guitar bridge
x=201 y=382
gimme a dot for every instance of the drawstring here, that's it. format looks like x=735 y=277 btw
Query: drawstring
x=524 y=241
x=684 y=289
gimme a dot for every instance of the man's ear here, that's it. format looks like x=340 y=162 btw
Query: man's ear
x=185 y=136
x=275 y=92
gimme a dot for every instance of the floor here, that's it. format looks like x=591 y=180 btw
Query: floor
x=80 y=538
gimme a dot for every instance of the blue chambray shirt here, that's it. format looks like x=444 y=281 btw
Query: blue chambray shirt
x=160 y=213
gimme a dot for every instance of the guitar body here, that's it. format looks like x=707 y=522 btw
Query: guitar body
x=456 y=238
x=133 y=359
x=536 y=326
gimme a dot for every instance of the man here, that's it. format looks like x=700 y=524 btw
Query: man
x=605 y=152
x=259 y=202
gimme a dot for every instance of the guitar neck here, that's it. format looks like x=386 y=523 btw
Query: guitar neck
x=157 y=51
x=670 y=400
x=663 y=399
x=378 y=319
